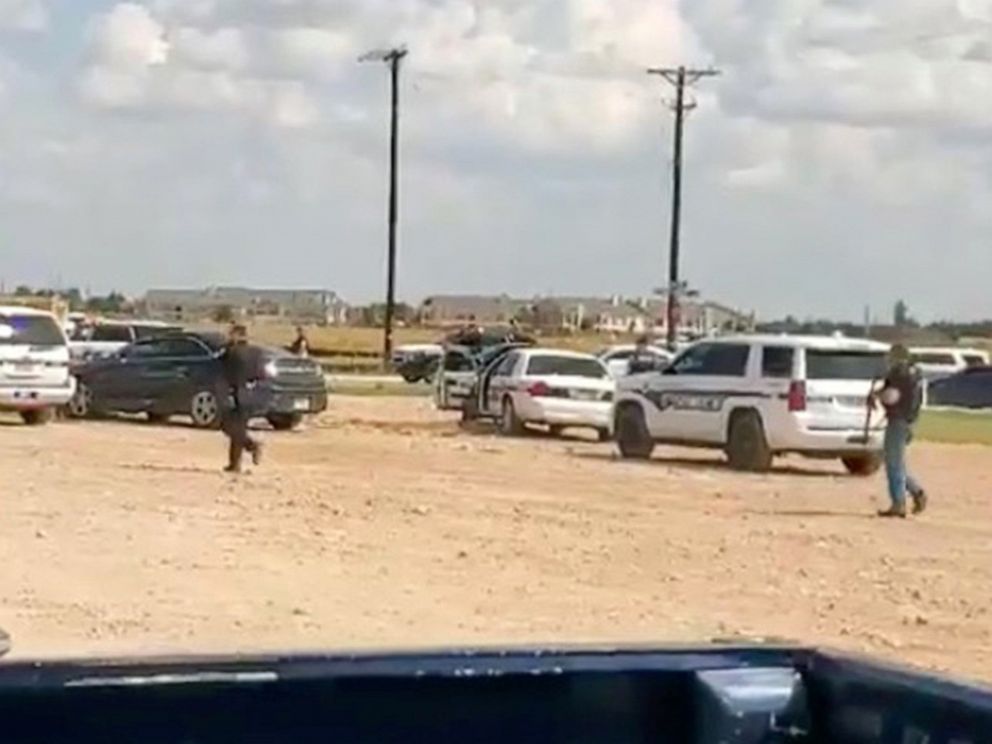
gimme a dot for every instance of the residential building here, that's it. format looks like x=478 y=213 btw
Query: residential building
x=445 y=311
x=318 y=306
x=604 y=315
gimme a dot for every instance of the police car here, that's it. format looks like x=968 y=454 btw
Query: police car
x=34 y=364
x=756 y=397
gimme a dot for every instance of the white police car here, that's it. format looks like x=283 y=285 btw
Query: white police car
x=756 y=397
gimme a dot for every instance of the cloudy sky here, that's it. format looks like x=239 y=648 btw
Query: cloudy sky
x=843 y=158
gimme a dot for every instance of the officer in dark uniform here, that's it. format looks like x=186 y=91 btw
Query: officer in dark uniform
x=239 y=370
x=643 y=359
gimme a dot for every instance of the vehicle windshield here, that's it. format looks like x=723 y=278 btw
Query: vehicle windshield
x=974 y=360
x=564 y=366
x=844 y=365
x=30 y=330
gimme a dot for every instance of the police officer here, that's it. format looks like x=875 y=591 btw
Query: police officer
x=643 y=360
x=239 y=369
x=902 y=397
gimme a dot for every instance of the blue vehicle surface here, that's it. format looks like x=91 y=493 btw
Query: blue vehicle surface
x=971 y=388
x=714 y=695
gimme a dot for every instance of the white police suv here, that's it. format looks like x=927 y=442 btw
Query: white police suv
x=756 y=397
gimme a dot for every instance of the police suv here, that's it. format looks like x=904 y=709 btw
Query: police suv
x=756 y=397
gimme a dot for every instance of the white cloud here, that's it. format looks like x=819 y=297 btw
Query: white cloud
x=23 y=15
x=531 y=133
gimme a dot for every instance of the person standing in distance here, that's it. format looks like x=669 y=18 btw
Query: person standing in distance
x=643 y=360
x=239 y=370
x=301 y=346
x=902 y=397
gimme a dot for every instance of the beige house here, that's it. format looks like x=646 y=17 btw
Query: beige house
x=318 y=306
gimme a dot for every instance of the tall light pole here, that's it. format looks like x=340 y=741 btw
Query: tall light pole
x=393 y=58
x=679 y=77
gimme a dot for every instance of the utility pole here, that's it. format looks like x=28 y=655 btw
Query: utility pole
x=393 y=58
x=680 y=78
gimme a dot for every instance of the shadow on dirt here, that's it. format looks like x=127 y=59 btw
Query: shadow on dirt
x=811 y=513
x=688 y=463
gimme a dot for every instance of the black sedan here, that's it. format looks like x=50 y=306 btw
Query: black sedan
x=971 y=388
x=180 y=374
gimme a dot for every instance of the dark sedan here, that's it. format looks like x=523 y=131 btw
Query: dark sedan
x=180 y=374
x=971 y=388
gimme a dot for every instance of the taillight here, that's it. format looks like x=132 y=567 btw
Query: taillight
x=539 y=390
x=797 y=397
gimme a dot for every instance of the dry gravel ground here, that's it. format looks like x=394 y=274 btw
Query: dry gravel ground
x=382 y=525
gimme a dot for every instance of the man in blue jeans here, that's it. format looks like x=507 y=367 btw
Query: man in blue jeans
x=902 y=397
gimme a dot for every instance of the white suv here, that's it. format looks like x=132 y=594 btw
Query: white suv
x=756 y=397
x=34 y=364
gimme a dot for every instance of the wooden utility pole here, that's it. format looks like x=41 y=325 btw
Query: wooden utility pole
x=680 y=78
x=393 y=58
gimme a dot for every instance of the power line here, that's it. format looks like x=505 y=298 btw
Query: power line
x=680 y=78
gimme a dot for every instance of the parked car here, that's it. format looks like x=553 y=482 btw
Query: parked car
x=417 y=362
x=935 y=363
x=557 y=389
x=756 y=397
x=459 y=369
x=617 y=358
x=34 y=364
x=106 y=338
x=971 y=388
x=180 y=374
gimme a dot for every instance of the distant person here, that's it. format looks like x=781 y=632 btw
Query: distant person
x=902 y=397
x=301 y=346
x=240 y=369
x=643 y=359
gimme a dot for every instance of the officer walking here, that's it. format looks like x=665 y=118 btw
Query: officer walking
x=239 y=369
x=902 y=397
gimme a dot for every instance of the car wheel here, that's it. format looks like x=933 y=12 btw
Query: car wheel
x=633 y=437
x=510 y=424
x=410 y=377
x=284 y=421
x=158 y=418
x=555 y=430
x=863 y=465
x=747 y=447
x=205 y=410
x=39 y=417
x=81 y=404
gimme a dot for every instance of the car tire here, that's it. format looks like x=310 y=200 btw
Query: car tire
x=81 y=404
x=555 y=430
x=38 y=417
x=410 y=378
x=158 y=418
x=284 y=421
x=470 y=407
x=510 y=424
x=633 y=437
x=747 y=446
x=204 y=409
x=863 y=465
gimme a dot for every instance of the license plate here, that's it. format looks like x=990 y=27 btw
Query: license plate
x=301 y=404
x=585 y=395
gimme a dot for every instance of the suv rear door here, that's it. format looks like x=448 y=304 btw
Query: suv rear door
x=837 y=385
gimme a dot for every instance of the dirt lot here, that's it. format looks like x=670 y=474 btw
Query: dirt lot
x=382 y=525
